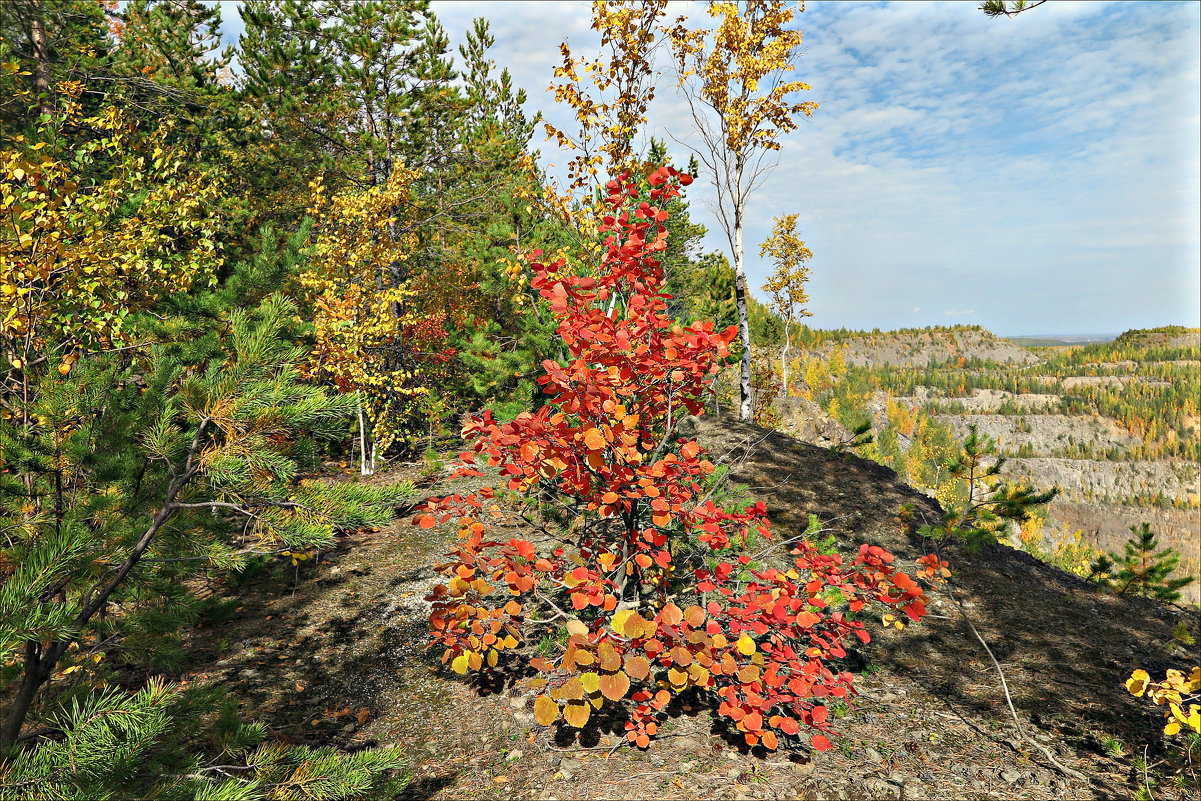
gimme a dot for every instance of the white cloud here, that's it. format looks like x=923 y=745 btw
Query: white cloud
x=1041 y=168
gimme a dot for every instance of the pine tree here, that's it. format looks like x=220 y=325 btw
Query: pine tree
x=163 y=741
x=978 y=504
x=124 y=471
x=1144 y=569
x=46 y=45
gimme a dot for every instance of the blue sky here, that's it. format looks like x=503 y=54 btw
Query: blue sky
x=1032 y=175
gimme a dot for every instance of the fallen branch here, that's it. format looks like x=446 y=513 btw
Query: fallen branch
x=1017 y=723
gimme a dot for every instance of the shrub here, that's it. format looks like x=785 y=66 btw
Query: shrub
x=649 y=577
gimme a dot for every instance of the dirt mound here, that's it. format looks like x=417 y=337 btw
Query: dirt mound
x=1066 y=646
x=338 y=657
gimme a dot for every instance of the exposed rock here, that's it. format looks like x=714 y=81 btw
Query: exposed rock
x=806 y=421
x=922 y=348
x=1097 y=479
x=1042 y=433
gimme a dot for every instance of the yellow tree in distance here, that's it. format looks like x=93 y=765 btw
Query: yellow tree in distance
x=732 y=78
x=786 y=286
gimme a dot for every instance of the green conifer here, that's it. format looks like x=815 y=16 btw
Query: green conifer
x=1144 y=569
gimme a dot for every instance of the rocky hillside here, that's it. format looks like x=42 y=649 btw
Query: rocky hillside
x=1113 y=426
x=336 y=655
x=934 y=346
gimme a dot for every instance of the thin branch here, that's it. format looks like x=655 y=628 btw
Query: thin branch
x=1075 y=774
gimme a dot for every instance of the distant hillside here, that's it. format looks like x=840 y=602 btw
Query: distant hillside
x=1055 y=341
x=924 y=347
x=1114 y=425
x=1169 y=336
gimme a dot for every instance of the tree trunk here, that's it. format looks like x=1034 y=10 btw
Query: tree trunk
x=41 y=60
x=784 y=354
x=744 y=325
x=29 y=686
x=366 y=467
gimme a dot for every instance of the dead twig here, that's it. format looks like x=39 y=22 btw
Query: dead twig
x=1017 y=723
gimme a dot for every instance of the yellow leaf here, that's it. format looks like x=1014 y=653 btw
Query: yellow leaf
x=459 y=665
x=576 y=713
x=1137 y=683
x=546 y=711
x=745 y=645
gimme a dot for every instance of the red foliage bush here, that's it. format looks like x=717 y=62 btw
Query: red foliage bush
x=646 y=533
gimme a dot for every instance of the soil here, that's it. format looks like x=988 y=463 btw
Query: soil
x=337 y=656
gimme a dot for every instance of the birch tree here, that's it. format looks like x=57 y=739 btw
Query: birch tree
x=786 y=287
x=733 y=80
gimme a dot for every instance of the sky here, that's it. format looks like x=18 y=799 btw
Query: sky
x=1033 y=175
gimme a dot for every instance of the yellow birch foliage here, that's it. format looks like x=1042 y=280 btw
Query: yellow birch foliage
x=78 y=255
x=378 y=330
x=741 y=71
x=786 y=286
x=1177 y=692
x=609 y=113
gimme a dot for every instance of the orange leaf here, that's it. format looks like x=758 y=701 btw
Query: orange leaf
x=609 y=658
x=427 y=521
x=807 y=619
x=681 y=656
x=615 y=686
x=594 y=440
x=638 y=667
